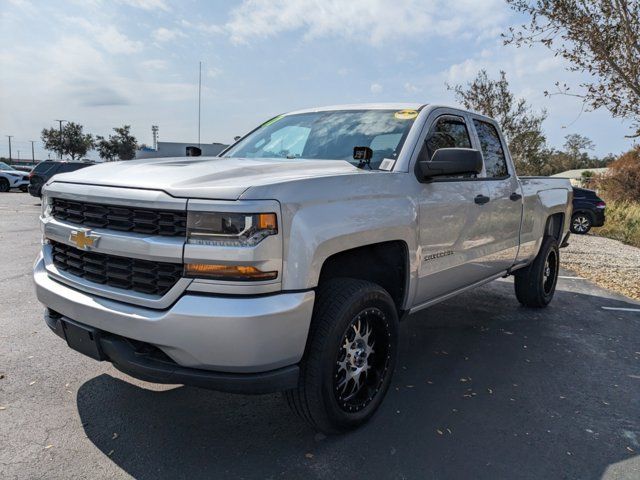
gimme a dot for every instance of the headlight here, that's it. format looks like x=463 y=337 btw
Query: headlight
x=230 y=229
x=46 y=206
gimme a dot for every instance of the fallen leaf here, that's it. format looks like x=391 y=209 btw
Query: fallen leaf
x=450 y=432
x=630 y=449
x=1 y=376
x=115 y=435
x=3 y=408
x=48 y=447
x=440 y=432
x=110 y=453
x=308 y=455
x=409 y=386
x=489 y=390
x=32 y=383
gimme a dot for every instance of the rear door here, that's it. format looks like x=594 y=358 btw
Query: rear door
x=505 y=198
x=453 y=225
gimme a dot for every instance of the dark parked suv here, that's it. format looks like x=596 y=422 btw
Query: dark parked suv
x=47 y=169
x=588 y=211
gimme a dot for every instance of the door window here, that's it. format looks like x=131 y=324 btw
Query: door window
x=495 y=162
x=448 y=132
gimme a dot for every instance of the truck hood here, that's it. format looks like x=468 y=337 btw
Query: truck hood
x=212 y=178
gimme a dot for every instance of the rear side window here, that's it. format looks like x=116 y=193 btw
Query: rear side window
x=495 y=162
x=71 y=167
x=44 y=167
x=448 y=132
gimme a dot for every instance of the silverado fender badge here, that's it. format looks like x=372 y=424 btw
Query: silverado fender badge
x=84 y=239
x=433 y=256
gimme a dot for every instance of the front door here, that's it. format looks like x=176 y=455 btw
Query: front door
x=454 y=221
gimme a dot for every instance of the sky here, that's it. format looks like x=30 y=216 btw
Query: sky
x=108 y=63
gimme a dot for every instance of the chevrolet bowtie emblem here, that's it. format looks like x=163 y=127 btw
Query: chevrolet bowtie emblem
x=83 y=239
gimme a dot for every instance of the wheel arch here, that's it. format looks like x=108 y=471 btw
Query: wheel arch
x=384 y=263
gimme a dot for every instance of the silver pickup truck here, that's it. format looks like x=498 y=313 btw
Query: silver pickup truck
x=286 y=263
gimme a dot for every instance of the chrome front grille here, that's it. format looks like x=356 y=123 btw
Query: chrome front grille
x=153 y=278
x=168 y=223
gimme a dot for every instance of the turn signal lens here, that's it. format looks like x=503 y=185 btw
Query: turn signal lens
x=227 y=272
x=267 y=221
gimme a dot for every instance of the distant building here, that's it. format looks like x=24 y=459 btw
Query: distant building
x=177 y=149
x=576 y=176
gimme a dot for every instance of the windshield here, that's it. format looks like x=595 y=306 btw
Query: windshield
x=329 y=135
x=4 y=166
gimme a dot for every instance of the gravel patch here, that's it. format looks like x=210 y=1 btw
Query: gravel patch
x=607 y=262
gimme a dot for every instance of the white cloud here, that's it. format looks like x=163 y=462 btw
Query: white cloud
x=206 y=28
x=155 y=64
x=147 y=4
x=373 y=21
x=213 y=72
x=411 y=88
x=165 y=35
x=376 y=88
x=107 y=36
x=113 y=41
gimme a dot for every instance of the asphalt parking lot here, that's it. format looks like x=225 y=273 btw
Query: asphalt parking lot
x=484 y=389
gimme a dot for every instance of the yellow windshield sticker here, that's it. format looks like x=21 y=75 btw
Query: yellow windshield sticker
x=405 y=114
x=273 y=120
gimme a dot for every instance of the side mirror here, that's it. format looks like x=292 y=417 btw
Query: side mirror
x=450 y=161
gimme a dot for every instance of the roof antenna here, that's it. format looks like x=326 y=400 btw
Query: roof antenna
x=199 y=97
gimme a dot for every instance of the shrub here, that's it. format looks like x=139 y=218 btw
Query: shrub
x=622 y=223
x=622 y=181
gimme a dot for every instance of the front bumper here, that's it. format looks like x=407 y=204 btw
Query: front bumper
x=205 y=332
x=142 y=362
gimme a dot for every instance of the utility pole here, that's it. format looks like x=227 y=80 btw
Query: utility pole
x=33 y=155
x=199 y=97
x=60 y=122
x=9 y=137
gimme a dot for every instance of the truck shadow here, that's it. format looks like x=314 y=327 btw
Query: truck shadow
x=483 y=389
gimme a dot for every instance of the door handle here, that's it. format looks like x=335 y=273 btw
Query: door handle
x=481 y=199
x=514 y=197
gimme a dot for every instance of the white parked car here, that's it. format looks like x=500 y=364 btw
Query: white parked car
x=12 y=178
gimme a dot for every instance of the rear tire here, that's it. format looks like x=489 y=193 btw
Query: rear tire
x=4 y=185
x=349 y=358
x=581 y=223
x=536 y=283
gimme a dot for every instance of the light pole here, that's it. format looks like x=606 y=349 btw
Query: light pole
x=33 y=155
x=60 y=122
x=9 y=137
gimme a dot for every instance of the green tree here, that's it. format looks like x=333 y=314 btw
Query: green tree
x=522 y=127
x=598 y=37
x=120 y=146
x=72 y=142
x=575 y=146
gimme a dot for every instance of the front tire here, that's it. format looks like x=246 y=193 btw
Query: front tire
x=581 y=223
x=350 y=356
x=536 y=283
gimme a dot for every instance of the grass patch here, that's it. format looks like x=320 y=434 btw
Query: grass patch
x=622 y=222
